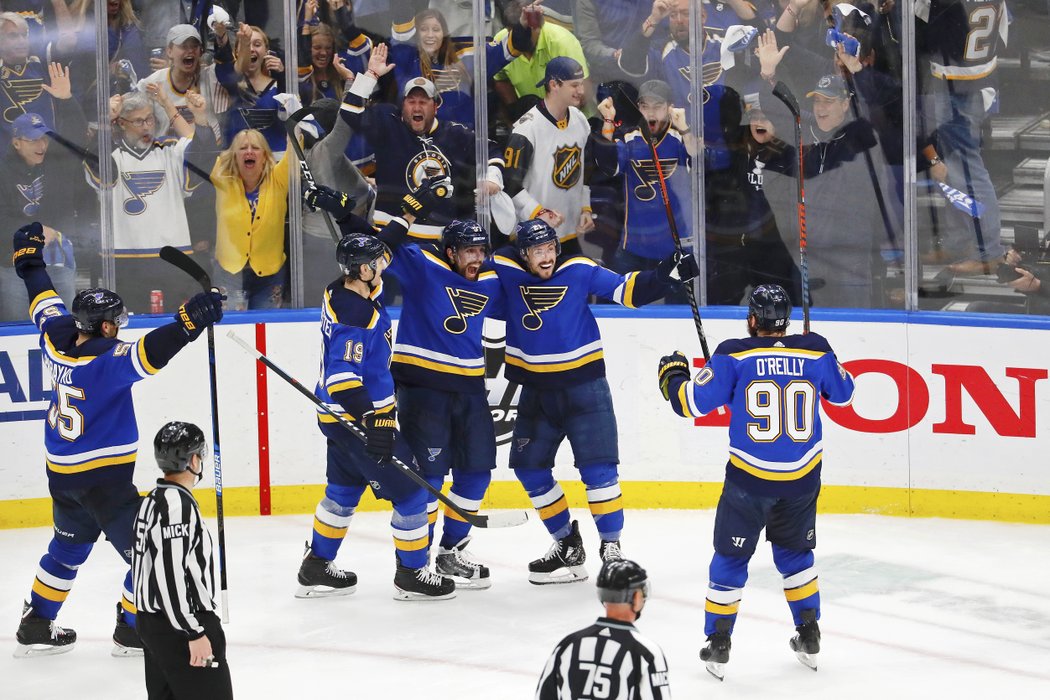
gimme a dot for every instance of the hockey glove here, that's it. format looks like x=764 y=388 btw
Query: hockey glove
x=671 y=366
x=678 y=266
x=201 y=311
x=429 y=195
x=29 y=248
x=379 y=431
x=338 y=204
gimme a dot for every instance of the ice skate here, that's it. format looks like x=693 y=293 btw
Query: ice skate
x=126 y=640
x=467 y=573
x=609 y=550
x=320 y=578
x=563 y=562
x=716 y=654
x=422 y=584
x=38 y=636
x=806 y=643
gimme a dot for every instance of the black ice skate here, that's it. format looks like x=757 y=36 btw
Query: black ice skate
x=422 y=584
x=320 y=578
x=716 y=654
x=806 y=644
x=126 y=640
x=38 y=636
x=610 y=550
x=563 y=562
x=467 y=573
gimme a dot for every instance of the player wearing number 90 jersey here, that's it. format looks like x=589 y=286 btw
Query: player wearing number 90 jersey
x=773 y=384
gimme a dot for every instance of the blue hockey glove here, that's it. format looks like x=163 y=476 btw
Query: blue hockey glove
x=379 y=431
x=201 y=311
x=429 y=195
x=678 y=266
x=339 y=204
x=671 y=366
x=29 y=248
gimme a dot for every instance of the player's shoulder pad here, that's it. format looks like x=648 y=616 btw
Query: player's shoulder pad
x=810 y=341
x=733 y=345
x=572 y=261
x=97 y=345
x=350 y=309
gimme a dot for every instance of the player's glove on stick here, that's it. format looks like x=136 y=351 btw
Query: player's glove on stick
x=201 y=311
x=675 y=365
x=678 y=266
x=379 y=431
x=29 y=248
x=339 y=204
x=429 y=195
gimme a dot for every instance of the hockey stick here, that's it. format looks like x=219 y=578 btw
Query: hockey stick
x=304 y=168
x=643 y=125
x=783 y=93
x=93 y=157
x=507 y=519
x=185 y=263
x=872 y=175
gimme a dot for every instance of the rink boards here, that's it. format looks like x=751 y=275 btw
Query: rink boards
x=949 y=420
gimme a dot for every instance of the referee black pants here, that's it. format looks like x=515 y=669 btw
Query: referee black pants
x=169 y=675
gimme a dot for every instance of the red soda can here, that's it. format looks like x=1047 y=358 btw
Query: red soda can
x=156 y=301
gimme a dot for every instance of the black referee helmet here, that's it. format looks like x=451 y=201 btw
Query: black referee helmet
x=619 y=579
x=175 y=443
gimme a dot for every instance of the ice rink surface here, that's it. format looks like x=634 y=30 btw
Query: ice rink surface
x=911 y=608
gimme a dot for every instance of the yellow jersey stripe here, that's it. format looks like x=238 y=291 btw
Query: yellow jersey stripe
x=556 y=367
x=143 y=360
x=91 y=464
x=768 y=475
x=438 y=366
x=607 y=507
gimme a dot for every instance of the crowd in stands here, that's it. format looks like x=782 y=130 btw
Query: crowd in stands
x=591 y=106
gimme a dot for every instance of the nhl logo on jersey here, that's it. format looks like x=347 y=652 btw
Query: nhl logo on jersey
x=567 y=167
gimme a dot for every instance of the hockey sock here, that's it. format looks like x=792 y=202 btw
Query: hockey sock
x=604 y=499
x=332 y=517
x=411 y=531
x=800 y=580
x=127 y=601
x=468 y=489
x=432 y=504
x=547 y=498
x=724 y=590
x=54 y=576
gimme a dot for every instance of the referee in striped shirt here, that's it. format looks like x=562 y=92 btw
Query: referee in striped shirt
x=610 y=659
x=174 y=576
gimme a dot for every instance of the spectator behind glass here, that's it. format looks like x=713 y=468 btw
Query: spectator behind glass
x=22 y=77
x=604 y=27
x=254 y=79
x=250 y=206
x=35 y=182
x=151 y=180
x=326 y=74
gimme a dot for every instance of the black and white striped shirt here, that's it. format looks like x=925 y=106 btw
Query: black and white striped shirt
x=609 y=660
x=174 y=570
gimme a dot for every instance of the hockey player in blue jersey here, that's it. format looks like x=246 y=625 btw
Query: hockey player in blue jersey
x=773 y=383
x=356 y=382
x=554 y=350
x=90 y=435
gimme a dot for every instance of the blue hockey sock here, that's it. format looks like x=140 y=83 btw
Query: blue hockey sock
x=604 y=499
x=800 y=580
x=725 y=588
x=55 y=575
x=332 y=518
x=432 y=504
x=411 y=531
x=127 y=601
x=468 y=490
x=547 y=498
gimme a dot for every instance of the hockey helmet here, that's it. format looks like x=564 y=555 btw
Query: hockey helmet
x=619 y=579
x=464 y=234
x=771 y=307
x=93 y=306
x=175 y=443
x=534 y=232
x=357 y=249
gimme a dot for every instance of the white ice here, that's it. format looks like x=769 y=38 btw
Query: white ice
x=911 y=608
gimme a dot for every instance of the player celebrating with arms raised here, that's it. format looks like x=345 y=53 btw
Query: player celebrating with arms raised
x=773 y=383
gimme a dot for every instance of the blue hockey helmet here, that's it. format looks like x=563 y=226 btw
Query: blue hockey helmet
x=93 y=306
x=464 y=234
x=771 y=307
x=357 y=249
x=534 y=232
x=175 y=443
x=619 y=579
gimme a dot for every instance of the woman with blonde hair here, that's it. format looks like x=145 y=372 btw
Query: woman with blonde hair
x=254 y=79
x=322 y=73
x=251 y=201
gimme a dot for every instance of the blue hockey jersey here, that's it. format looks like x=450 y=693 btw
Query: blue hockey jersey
x=552 y=336
x=773 y=386
x=439 y=334
x=356 y=341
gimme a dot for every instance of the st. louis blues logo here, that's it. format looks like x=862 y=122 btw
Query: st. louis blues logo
x=433 y=452
x=19 y=92
x=257 y=118
x=32 y=193
x=522 y=442
x=645 y=170
x=466 y=304
x=140 y=185
x=537 y=300
x=429 y=162
x=568 y=165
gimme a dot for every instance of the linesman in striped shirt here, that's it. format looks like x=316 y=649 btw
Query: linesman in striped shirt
x=185 y=648
x=609 y=659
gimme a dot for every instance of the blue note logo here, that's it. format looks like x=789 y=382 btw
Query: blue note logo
x=464 y=304
x=537 y=300
x=140 y=185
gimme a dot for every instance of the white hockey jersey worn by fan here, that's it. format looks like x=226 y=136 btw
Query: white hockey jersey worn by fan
x=545 y=163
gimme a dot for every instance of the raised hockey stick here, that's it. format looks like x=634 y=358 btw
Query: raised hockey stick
x=643 y=125
x=504 y=519
x=304 y=168
x=185 y=263
x=783 y=93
